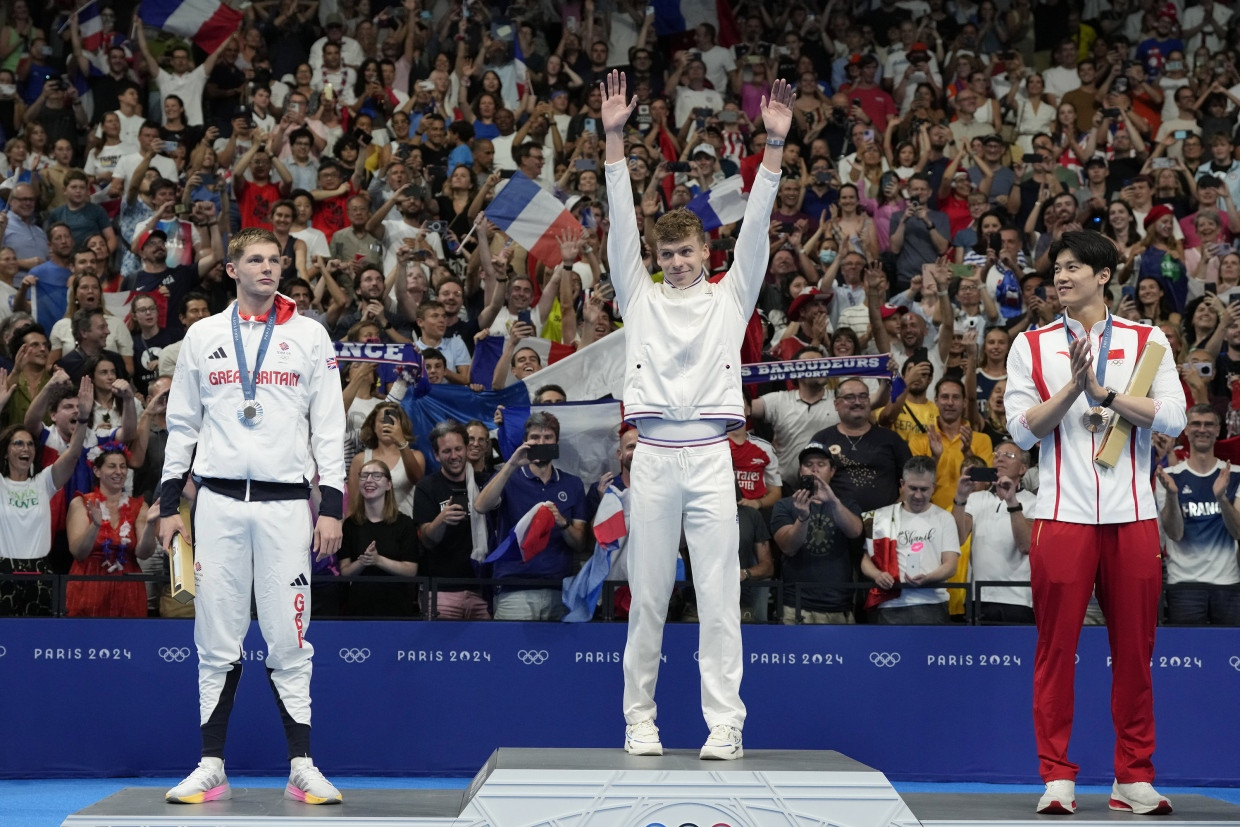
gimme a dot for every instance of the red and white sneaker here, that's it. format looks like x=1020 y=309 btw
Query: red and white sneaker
x=206 y=783
x=1140 y=797
x=1059 y=798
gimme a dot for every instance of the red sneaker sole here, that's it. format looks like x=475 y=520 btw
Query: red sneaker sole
x=1163 y=808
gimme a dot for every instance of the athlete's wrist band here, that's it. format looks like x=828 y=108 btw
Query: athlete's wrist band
x=775 y=142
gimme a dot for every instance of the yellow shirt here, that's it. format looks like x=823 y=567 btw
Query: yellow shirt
x=950 y=462
x=926 y=413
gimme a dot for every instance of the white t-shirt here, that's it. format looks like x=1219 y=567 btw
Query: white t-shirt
x=119 y=340
x=1059 y=81
x=102 y=161
x=396 y=230
x=921 y=541
x=793 y=422
x=316 y=242
x=719 y=61
x=127 y=164
x=26 y=524
x=993 y=554
x=189 y=87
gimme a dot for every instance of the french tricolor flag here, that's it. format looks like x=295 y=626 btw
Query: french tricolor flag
x=207 y=22
x=581 y=592
x=90 y=26
x=722 y=204
x=529 y=537
x=673 y=17
x=532 y=217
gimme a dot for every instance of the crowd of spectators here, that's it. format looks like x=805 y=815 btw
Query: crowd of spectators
x=938 y=148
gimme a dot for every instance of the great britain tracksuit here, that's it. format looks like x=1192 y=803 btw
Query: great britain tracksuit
x=683 y=392
x=1093 y=527
x=252 y=519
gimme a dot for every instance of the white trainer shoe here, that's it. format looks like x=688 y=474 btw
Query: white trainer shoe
x=724 y=744
x=1139 y=797
x=642 y=739
x=307 y=784
x=1059 y=798
x=206 y=783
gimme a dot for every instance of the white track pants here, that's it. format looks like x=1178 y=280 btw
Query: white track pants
x=693 y=487
x=265 y=545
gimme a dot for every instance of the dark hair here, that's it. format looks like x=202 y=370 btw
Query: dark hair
x=542 y=419
x=21 y=332
x=1134 y=236
x=192 y=296
x=522 y=151
x=982 y=242
x=6 y=437
x=553 y=388
x=59 y=394
x=299 y=133
x=442 y=429
x=1091 y=249
x=462 y=129
x=434 y=353
x=951 y=380
x=296 y=281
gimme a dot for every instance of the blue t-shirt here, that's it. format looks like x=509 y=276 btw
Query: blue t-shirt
x=523 y=492
x=83 y=223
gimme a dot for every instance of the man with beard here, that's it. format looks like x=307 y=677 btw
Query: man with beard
x=408 y=229
x=912 y=326
x=29 y=346
x=1197 y=503
x=174 y=282
x=911 y=412
x=949 y=440
x=509 y=306
x=369 y=306
x=927 y=548
x=796 y=415
x=442 y=508
x=869 y=459
x=1000 y=547
x=518 y=486
x=89 y=296
x=461 y=323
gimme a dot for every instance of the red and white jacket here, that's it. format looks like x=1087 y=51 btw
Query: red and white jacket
x=1072 y=487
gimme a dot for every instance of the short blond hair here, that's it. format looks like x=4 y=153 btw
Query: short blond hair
x=678 y=225
x=244 y=238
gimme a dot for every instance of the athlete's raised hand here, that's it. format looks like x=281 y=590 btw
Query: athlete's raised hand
x=617 y=106
x=776 y=110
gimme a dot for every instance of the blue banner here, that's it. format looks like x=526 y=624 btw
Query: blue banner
x=403 y=698
x=401 y=355
x=868 y=366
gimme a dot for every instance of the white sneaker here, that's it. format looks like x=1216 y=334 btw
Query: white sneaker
x=307 y=784
x=1059 y=798
x=206 y=783
x=724 y=743
x=1139 y=797
x=642 y=739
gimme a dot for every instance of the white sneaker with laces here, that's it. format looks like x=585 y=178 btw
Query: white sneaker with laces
x=307 y=784
x=724 y=744
x=642 y=739
x=1059 y=798
x=206 y=783
x=1139 y=797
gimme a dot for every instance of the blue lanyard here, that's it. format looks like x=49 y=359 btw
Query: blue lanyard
x=249 y=381
x=1104 y=350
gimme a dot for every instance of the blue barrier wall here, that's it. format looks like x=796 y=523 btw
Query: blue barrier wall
x=117 y=698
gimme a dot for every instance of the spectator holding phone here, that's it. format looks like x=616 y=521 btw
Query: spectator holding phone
x=814 y=530
x=387 y=435
x=988 y=507
x=526 y=481
x=449 y=530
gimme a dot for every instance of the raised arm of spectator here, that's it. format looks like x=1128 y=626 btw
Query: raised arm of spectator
x=492 y=494
x=874 y=300
x=212 y=246
x=139 y=173
x=945 y=183
x=65 y=464
x=208 y=65
x=75 y=39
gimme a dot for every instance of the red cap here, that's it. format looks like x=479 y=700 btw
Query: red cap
x=806 y=296
x=889 y=310
x=1156 y=212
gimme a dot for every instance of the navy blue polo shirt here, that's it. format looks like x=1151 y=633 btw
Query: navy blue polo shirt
x=523 y=492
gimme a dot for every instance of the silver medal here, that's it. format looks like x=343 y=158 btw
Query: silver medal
x=250 y=414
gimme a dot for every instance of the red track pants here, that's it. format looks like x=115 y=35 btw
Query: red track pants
x=1067 y=560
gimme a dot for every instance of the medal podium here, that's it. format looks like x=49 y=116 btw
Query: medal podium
x=607 y=788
